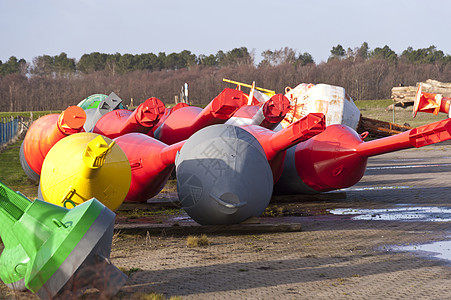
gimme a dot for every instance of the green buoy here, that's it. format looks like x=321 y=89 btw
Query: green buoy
x=53 y=251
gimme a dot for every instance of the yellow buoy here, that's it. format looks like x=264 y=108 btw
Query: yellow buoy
x=82 y=166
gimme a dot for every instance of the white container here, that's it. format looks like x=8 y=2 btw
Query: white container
x=330 y=100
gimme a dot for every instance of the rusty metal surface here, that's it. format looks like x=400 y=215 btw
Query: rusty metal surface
x=377 y=128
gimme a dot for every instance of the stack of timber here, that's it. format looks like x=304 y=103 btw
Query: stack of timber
x=404 y=96
x=437 y=87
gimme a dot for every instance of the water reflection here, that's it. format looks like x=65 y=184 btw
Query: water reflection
x=408 y=166
x=375 y=188
x=424 y=214
x=440 y=249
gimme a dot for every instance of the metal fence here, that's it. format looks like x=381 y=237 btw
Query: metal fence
x=9 y=129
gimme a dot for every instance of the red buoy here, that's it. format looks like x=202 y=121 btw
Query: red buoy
x=275 y=143
x=267 y=114
x=185 y=121
x=121 y=121
x=431 y=103
x=337 y=157
x=151 y=162
x=47 y=131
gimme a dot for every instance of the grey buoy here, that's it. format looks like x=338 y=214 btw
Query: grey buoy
x=223 y=176
x=35 y=177
x=108 y=104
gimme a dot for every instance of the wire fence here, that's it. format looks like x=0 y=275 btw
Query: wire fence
x=9 y=130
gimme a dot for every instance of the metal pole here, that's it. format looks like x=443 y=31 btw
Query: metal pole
x=393 y=112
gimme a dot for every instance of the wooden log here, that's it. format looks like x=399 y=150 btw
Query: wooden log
x=379 y=128
x=266 y=225
x=403 y=94
x=154 y=205
x=406 y=94
x=438 y=84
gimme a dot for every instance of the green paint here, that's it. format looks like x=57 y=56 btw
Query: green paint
x=39 y=236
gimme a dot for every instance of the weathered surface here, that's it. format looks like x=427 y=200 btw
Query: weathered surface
x=403 y=95
x=377 y=128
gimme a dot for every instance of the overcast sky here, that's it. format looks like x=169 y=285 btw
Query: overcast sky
x=30 y=28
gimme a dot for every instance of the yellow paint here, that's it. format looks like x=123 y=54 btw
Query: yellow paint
x=82 y=166
x=270 y=93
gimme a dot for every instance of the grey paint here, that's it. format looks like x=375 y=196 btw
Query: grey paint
x=157 y=132
x=88 y=264
x=256 y=119
x=17 y=286
x=108 y=104
x=289 y=182
x=223 y=176
x=26 y=167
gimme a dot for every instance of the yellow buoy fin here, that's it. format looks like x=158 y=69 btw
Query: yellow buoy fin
x=96 y=151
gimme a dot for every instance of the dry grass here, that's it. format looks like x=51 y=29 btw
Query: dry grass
x=130 y=271
x=197 y=241
x=154 y=296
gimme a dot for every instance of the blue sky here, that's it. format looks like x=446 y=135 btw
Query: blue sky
x=30 y=28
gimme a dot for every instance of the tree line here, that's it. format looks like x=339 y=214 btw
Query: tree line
x=55 y=82
x=61 y=65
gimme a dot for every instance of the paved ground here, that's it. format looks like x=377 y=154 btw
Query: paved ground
x=332 y=257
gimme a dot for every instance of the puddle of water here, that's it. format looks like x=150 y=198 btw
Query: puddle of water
x=408 y=166
x=406 y=159
x=423 y=214
x=440 y=249
x=352 y=189
x=181 y=218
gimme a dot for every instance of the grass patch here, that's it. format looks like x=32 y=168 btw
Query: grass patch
x=130 y=271
x=376 y=109
x=12 y=174
x=197 y=241
x=27 y=114
x=170 y=186
x=373 y=104
x=273 y=211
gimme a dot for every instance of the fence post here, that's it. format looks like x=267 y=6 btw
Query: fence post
x=3 y=131
x=8 y=130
